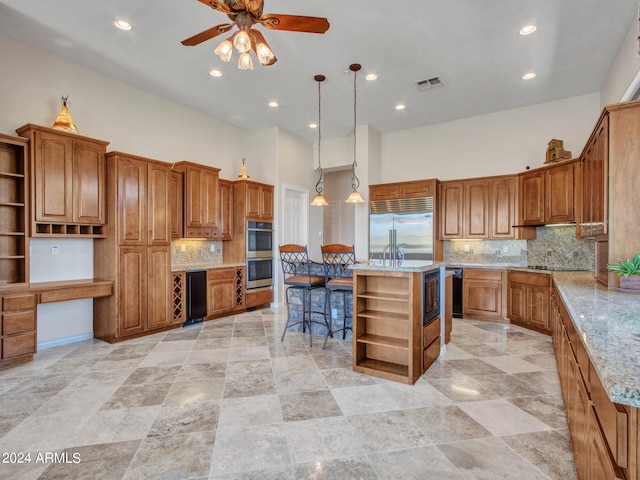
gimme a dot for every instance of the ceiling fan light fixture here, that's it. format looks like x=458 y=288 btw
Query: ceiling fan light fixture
x=242 y=41
x=224 y=50
x=245 y=62
x=265 y=55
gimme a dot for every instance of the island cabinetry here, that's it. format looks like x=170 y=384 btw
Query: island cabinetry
x=18 y=324
x=528 y=300
x=136 y=253
x=67 y=183
x=14 y=215
x=484 y=293
x=387 y=326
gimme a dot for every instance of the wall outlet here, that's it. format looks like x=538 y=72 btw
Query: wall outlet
x=549 y=252
x=212 y=248
x=498 y=251
x=466 y=248
x=505 y=249
x=183 y=247
x=55 y=249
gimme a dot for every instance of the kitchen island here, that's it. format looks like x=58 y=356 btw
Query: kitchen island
x=389 y=305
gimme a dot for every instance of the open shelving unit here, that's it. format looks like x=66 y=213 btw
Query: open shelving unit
x=14 y=260
x=387 y=325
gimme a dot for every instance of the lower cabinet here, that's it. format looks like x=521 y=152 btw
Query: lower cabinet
x=221 y=291
x=18 y=339
x=528 y=300
x=430 y=343
x=483 y=293
x=599 y=429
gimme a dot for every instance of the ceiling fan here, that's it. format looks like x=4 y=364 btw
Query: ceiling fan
x=244 y=14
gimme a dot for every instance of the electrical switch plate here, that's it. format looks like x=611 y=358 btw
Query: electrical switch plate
x=505 y=249
x=212 y=248
x=183 y=247
x=55 y=249
x=466 y=248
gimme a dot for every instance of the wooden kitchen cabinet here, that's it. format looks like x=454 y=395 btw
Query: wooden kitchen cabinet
x=221 y=289
x=259 y=201
x=547 y=194
x=225 y=222
x=67 y=183
x=18 y=328
x=451 y=210
x=594 y=165
x=14 y=212
x=528 y=300
x=476 y=209
x=484 y=292
x=176 y=201
x=200 y=200
x=403 y=190
x=136 y=253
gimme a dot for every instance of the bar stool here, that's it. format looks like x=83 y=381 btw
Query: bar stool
x=296 y=269
x=336 y=259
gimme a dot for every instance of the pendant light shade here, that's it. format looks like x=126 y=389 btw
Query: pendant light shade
x=354 y=197
x=319 y=200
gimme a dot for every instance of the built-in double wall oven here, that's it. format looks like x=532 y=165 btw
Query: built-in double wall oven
x=259 y=255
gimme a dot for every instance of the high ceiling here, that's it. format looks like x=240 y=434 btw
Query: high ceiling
x=473 y=46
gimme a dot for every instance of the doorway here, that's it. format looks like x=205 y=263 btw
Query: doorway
x=294 y=226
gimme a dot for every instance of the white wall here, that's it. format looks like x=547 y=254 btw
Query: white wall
x=623 y=70
x=495 y=144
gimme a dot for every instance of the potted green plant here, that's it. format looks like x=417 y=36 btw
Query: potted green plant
x=629 y=272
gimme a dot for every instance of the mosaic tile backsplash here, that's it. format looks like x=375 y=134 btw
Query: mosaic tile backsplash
x=195 y=252
x=554 y=247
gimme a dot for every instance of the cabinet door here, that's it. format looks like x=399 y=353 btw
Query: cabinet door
x=225 y=223
x=600 y=465
x=517 y=302
x=220 y=291
x=482 y=298
x=384 y=192
x=503 y=203
x=451 y=207
x=132 y=290
x=159 y=288
x=594 y=180
x=52 y=173
x=89 y=169
x=538 y=307
x=476 y=209
x=266 y=204
x=176 y=204
x=193 y=196
x=158 y=181
x=253 y=201
x=132 y=201
x=559 y=194
x=210 y=198
x=532 y=198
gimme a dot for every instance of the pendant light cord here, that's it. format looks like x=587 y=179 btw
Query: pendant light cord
x=319 y=79
x=354 y=179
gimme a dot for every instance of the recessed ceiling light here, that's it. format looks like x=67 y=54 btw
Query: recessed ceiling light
x=122 y=24
x=313 y=125
x=273 y=104
x=215 y=73
x=528 y=29
x=371 y=76
x=400 y=106
x=529 y=75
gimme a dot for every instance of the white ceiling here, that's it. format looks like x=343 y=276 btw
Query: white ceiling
x=473 y=46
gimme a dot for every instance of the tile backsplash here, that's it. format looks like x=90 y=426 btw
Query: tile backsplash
x=195 y=251
x=554 y=247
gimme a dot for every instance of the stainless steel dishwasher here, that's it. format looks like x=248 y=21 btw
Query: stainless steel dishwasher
x=196 y=296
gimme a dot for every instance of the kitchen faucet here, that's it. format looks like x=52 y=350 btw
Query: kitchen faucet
x=396 y=254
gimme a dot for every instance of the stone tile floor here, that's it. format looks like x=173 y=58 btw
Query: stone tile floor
x=227 y=400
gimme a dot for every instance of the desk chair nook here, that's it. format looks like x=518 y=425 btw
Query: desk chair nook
x=336 y=259
x=296 y=268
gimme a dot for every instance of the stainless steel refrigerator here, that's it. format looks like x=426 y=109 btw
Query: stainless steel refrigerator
x=407 y=223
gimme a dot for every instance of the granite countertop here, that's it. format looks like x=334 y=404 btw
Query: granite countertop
x=609 y=324
x=405 y=266
x=188 y=267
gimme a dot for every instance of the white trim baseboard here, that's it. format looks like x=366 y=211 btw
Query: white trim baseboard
x=58 y=342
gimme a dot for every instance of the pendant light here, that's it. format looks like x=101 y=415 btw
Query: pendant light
x=354 y=197
x=319 y=200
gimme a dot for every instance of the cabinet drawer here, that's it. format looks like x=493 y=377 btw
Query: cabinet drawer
x=221 y=274
x=430 y=354
x=19 y=302
x=430 y=332
x=19 y=345
x=482 y=274
x=19 y=322
x=530 y=278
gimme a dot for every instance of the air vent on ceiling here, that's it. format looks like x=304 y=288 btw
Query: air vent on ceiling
x=428 y=84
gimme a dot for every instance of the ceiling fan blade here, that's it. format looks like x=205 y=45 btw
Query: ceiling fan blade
x=207 y=34
x=217 y=5
x=256 y=37
x=295 y=23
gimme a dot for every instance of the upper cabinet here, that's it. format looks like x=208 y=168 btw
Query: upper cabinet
x=14 y=250
x=200 y=200
x=481 y=208
x=258 y=200
x=225 y=210
x=547 y=195
x=396 y=191
x=594 y=165
x=67 y=183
